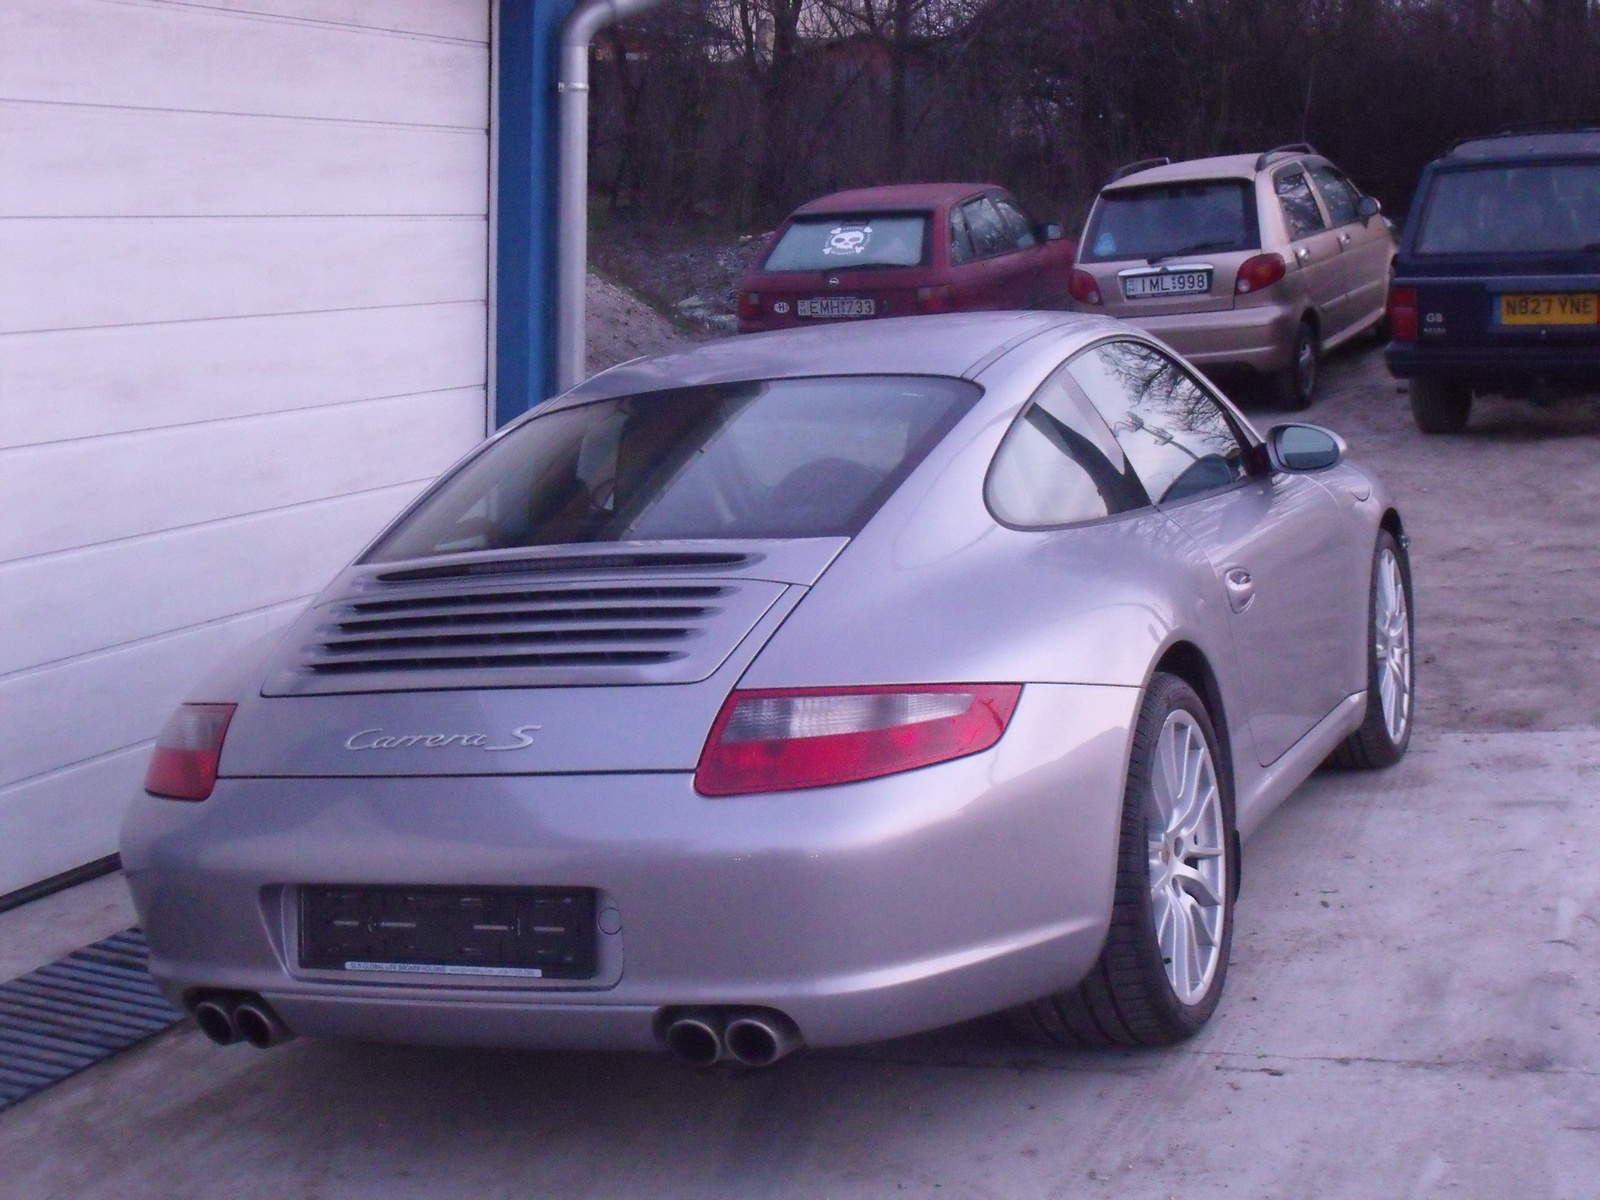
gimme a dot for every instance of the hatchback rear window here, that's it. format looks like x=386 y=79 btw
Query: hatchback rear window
x=1513 y=210
x=831 y=243
x=784 y=459
x=1172 y=219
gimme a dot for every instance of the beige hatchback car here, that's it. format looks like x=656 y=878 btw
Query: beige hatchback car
x=1260 y=261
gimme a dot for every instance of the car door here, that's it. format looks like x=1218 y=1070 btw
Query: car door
x=1273 y=540
x=1365 y=247
x=1314 y=246
x=1028 y=278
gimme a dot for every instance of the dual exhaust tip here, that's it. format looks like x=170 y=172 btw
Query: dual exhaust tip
x=227 y=1018
x=750 y=1037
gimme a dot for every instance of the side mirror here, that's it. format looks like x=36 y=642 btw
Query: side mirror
x=1054 y=233
x=1303 y=448
x=1368 y=207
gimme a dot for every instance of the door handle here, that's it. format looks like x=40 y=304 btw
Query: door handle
x=1240 y=587
x=1302 y=253
x=1344 y=239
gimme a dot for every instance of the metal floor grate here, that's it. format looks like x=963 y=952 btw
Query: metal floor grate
x=69 y=1015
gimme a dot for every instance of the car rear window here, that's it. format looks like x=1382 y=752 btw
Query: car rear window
x=1513 y=209
x=1171 y=219
x=829 y=243
x=787 y=458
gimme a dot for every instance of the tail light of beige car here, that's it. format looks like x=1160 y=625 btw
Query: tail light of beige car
x=1259 y=272
x=188 y=748
x=938 y=299
x=749 y=307
x=1084 y=287
x=1402 y=313
x=779 y=741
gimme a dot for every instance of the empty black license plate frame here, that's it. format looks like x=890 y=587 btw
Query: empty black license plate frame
x=439 y=933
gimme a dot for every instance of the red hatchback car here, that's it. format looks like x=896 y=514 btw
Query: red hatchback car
x=911 y=248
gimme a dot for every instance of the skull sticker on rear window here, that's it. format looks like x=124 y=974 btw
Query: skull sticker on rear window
x=848 y=241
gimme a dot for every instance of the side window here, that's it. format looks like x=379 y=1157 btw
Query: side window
x=1059 y=464
x=1178 y=438
x=988 y=230
x=1019 y=230
x=1339 y=193
x=960 y=238
x=1299 y=205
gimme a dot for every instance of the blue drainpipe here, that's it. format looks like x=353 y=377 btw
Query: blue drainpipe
x=525 y=270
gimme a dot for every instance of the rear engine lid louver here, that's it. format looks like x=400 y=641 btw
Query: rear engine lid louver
x=388 y=634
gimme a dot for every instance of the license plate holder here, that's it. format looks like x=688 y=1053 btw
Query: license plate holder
x=1157 y=285
x=836 y=307
x=1540 y=309
x=439 y=933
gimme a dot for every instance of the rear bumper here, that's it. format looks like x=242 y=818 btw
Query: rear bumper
x=862 y=912
x=1259 y=337
x=1496 y=365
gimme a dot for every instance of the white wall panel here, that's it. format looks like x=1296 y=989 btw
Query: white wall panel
x=209 y=60
x=71 y=274
x=96 y=490
x=243 y=319
x=465 y=22
x=56 y=823
x=71 y=605
x=63 y=160
x=82 y=383
x=120 y=698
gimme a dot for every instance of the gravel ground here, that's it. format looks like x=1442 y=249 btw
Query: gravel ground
x=622 y=326
x=1503 y=522
x=689 y=272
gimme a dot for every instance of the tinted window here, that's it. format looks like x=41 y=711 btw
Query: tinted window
x=830 y=243
x=1299 y=205
x=960 y=238
x=1059 y=463
x=1522 y=209
x=1182 y=218
x=790 y=458
x=1019 y=230
x=1177 y=436
x=1339 y=193
x=987 y=228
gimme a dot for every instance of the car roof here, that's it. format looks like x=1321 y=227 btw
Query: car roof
x=1224 y=166
x=1514 y=144
x=895 y=196
x=958 y=345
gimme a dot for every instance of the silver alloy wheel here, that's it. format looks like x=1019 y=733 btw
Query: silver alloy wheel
x=1188 y=857
x=1305 y=361
x=1391 y=634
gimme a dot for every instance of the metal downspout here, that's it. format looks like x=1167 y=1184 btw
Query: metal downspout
x=572 y=221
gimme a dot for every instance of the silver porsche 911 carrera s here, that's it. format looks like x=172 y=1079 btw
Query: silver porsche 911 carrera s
x=806 y=689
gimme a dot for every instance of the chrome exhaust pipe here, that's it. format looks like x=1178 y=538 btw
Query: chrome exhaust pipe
x=259 y=1025
x=215 y=1018
x=696 y=1039
x=759 y=1039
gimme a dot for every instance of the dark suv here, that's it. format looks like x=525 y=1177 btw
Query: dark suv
x=1497 y=284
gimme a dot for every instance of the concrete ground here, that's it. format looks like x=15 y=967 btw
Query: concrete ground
x=1411 y=1010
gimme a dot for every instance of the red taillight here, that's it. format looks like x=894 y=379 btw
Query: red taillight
x=936 y=299
x=1403 y=314
x=1259 y=272
x=1084 y=288
x=184 y=765
x=749 y=306
x=780 y=741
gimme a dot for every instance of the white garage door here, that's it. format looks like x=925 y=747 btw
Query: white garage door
x=243 y=281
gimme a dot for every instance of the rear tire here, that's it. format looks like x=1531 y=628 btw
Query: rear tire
x=1440 y=405
x=1391 y=666
x=1161 y=971
x=1295 y=387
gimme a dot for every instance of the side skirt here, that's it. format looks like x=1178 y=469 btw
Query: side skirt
x=1274 y=784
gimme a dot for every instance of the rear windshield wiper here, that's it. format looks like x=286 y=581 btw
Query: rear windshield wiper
x=1213 y=244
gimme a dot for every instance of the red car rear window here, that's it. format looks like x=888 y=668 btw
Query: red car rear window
x=870 y=240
